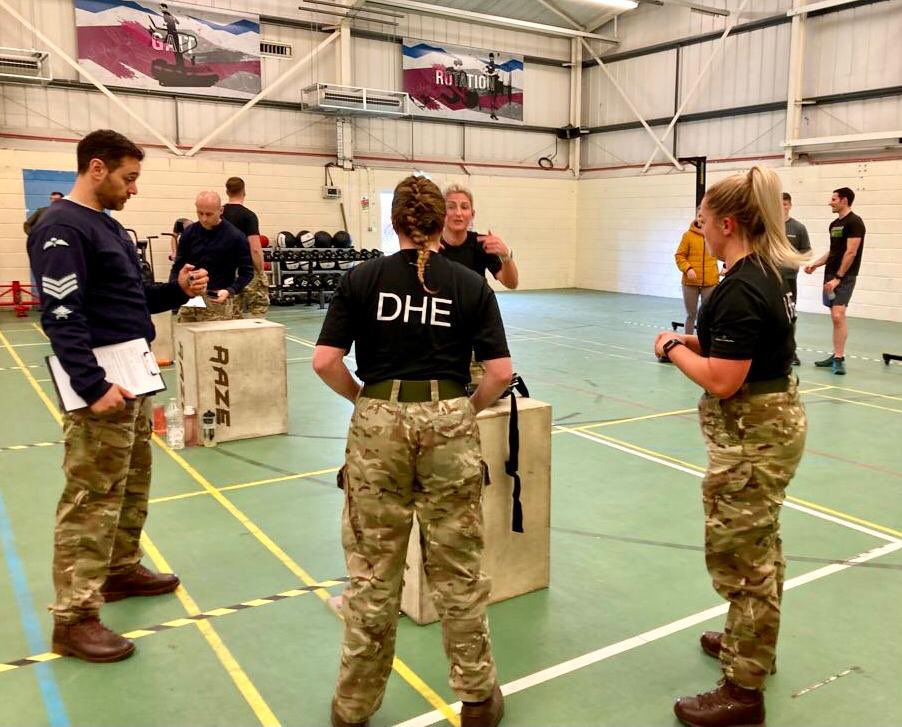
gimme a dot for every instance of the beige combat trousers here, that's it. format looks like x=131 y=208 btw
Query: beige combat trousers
x=103 y=507
x=405 y=459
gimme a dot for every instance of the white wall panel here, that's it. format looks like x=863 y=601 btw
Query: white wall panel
x=871 y=60
x=752 y=68
x=650 y=24
x=617 y=148
x=647 y=80
x=879 y=114
x=628 y=229
x=499 y=145
x=547 y=96
x=376 y=64
x=737 y=136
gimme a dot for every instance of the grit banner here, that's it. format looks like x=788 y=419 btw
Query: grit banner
x=463 y=83
x=169 y=46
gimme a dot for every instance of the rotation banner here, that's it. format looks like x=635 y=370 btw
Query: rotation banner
x=463 y=83
x=169 y=46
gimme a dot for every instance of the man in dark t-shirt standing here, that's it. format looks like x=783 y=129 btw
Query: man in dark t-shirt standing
x=842 y=262
x=797 y=234
x=255 y=297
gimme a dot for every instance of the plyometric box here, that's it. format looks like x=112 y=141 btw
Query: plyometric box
x=517 y=563
x=236 y=369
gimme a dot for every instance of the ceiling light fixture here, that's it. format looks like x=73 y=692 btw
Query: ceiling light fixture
x=617 y=4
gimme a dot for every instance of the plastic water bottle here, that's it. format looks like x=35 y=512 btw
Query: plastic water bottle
x=209 y=428
x=175 y=425
x=190 y=420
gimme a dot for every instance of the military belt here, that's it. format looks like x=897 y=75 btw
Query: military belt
x=410 y=392
x=771 y=386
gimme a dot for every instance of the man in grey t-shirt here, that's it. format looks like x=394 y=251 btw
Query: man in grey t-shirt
x=797 y=234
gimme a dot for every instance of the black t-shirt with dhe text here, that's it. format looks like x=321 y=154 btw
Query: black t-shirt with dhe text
x=840 y=231
x=242 y=218
x=471 y=255
x=748 y=316
x=402 y=332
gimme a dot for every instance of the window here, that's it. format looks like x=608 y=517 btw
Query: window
x=389 y=240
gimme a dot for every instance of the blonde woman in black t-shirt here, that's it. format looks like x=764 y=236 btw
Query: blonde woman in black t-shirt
x=413 y=447
x=754 y=426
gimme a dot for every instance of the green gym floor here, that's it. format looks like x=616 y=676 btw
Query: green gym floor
x=613 y=640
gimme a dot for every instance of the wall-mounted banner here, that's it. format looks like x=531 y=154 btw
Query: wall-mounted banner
x=169 y=46
x=463 y=83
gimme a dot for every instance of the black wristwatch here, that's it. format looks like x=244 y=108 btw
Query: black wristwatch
x=671 y=344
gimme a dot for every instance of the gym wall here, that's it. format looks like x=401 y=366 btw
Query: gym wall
x=536 y=216
x=630 y=227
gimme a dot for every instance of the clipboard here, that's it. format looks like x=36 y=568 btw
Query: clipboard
x=131 y=364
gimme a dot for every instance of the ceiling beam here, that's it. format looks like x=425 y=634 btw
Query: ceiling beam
x=497 y=20
x=561 y=14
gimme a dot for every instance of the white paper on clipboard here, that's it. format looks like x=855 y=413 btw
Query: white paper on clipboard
x=130 y=364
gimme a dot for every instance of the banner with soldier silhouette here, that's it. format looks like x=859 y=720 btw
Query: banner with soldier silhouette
x=169 y=46
x=463 y=83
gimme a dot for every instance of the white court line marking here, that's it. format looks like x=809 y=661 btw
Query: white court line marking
x=700 y=475
x=647 y=637
x=23 y=345
x=301 y=341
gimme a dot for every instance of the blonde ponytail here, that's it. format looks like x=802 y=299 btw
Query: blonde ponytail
x=418 y=210
x=754 y=201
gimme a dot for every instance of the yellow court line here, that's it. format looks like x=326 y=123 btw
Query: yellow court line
x=798 y=501
x=302 y=341
x=859 y=403
x=250 y=693
x=231 y=665
x=399 y=666
x=587 y=427
x=845 y=516
x=243 y=485
x=868 y=393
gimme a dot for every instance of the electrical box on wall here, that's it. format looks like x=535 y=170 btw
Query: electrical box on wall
x=331 y=192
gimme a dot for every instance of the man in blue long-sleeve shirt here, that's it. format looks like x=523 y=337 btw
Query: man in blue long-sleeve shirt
x=89 y=277
x=222 y=249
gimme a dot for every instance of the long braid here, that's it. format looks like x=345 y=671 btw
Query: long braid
x=418 y=210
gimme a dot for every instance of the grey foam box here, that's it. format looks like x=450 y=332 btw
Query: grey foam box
x=236 y=369
x=517 y=563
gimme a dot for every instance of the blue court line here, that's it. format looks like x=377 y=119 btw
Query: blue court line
x=53 y=701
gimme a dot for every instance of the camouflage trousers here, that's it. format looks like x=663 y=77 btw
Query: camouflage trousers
x=406 y=458
x=213 y=312
x=754 y=443
x=254 y=298
x=104 y=504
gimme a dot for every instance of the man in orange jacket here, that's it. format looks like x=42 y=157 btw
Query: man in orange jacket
x=699 y=268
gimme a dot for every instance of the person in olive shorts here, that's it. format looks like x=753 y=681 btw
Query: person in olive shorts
x=413 y=447
x=754 y=426
x=841 y=265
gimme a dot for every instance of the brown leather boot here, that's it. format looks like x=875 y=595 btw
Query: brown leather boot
x=138 y=582
x=90 y=640
x=486 y=713
x=339 y=722
x=711 y=645
x=728 y=705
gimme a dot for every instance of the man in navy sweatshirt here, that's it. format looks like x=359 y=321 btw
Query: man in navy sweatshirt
x=89 y=277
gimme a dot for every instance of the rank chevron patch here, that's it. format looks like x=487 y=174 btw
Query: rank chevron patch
x=59 y=288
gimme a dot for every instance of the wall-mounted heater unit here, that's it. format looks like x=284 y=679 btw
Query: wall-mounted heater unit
x=19 y=65
x=348 y=100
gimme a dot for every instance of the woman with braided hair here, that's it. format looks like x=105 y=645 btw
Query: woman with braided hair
x=413 y=447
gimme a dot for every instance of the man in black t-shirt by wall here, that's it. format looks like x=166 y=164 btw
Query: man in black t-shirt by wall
x=797 y=234
x=221 y=248
x=842 y=262
x=255 y=297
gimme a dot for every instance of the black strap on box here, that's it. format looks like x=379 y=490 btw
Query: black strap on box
x=512 y=466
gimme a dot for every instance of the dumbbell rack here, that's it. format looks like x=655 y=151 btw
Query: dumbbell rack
x=318 y=271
